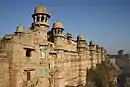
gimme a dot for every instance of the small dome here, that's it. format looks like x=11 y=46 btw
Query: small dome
x=20 y=29
x=105 y=51
x=68 y=34
x=57 y=24
x=91 y=42
x=40 y=9
x=102 y=48
x=80 y=37
x=97 y=46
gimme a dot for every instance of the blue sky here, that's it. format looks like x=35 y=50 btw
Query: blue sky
x=107 y=22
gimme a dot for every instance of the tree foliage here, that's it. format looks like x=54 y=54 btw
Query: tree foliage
x=102 y=75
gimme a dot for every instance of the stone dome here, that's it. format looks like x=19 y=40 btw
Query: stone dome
x=20 y=29
x=98 y=46
x=91 y=42
x=68 y=34
x=80 y=37
x=40 y=9
x=57 y=24
x=102 y=48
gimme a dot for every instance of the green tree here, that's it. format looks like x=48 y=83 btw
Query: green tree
x=102 y=76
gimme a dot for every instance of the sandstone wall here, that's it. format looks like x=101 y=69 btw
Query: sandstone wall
x=4 y=73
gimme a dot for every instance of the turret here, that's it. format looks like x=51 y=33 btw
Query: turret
x=69 y=36
x=40 y=21
x=81 y=43
x=40 y=17
x=19 y=29
x=92 y=53
x=92 y=45
x=102 y=54
x=98 y=51
x=105 y=55
x=57 y=30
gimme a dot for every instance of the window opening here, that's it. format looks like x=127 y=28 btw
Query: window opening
x=28 y=53
x=28 y=76
x=42 y=19
x=37 y=19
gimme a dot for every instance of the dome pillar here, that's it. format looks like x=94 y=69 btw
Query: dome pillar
x=40 y=16
x=45 y=18
x=35 y=18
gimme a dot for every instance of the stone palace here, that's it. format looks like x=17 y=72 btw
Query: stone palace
x=46 y=57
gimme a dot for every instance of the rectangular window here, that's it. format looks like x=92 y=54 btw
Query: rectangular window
x=28 y=76
x=28 y=73
x=28 y=53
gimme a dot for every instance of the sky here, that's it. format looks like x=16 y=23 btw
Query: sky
x=106 y=22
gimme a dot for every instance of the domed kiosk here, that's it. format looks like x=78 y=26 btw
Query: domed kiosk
x=40 y=17
x=57 y=28
x=19 y=29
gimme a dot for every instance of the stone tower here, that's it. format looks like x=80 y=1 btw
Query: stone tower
x=102 y=54
x=81 y=43
x=57 y=31
x=92 y=53
x=82 y=51
x=69 y=36
x=40 y=20
x=98 y=51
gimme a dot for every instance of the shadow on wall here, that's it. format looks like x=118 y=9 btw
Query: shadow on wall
x=121 y=80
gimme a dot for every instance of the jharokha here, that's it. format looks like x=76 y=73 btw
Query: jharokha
x=45 y=57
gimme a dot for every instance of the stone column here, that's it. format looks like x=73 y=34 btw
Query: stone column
x=35 y=18
x=56 y=31
x=45 y=18
x=40 y=16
